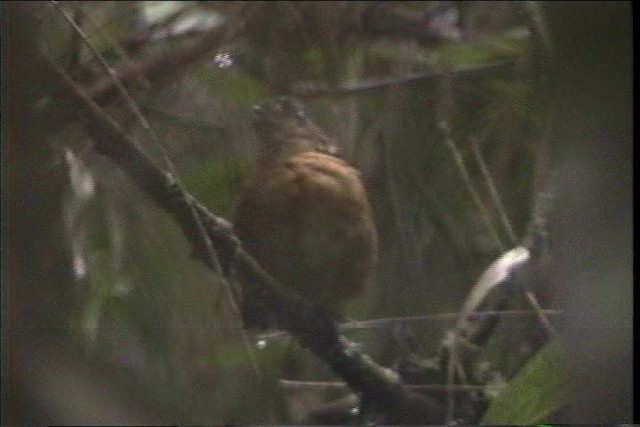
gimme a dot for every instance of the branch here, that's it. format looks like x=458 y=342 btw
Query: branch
x=155 y=70
x=309 y=90
x=311 y=328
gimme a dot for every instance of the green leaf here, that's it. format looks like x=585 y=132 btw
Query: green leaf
x=541 y=387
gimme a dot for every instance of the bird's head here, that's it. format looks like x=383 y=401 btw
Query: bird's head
x=283 y=128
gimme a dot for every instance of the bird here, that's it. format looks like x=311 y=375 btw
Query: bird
x=304 y=215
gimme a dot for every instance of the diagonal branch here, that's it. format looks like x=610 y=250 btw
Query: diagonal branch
x=155 y=69
x=310 y=327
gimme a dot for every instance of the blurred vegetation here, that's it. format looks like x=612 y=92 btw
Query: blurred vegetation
x=384 y=78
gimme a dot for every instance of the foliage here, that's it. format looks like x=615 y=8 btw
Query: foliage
x=540 y=388
x=383 y=79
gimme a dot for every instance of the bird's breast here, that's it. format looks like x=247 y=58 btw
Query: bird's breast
x=308 y=222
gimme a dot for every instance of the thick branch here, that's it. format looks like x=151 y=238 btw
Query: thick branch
x=308 y=325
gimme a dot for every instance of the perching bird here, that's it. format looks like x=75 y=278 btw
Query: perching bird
x=304 y=216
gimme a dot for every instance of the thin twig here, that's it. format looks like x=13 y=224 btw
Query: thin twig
x=339 y=385
x=315 y=90
x=540 y=312
x=464 y=173
x=156 y=69
x=393 y=321
x=493 y=192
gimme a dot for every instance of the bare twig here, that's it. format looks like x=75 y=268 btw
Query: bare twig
x=405 y=320
x=155 y=69
x=464 y=172
x=316 y=90
x=493 y=192
x=337 y=385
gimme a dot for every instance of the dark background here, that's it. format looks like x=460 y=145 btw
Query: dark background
x=107 y=319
